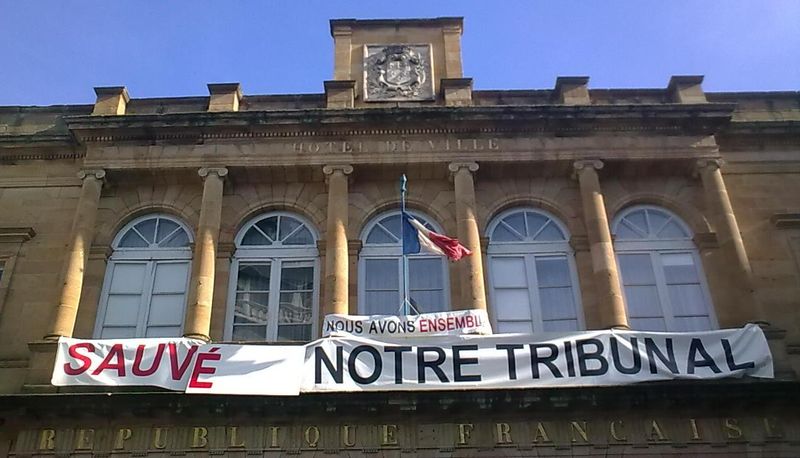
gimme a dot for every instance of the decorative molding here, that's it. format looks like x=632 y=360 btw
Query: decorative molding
x=16 y=234
x=706 y=240
x=101 y=252
x=786 y=220
x=585 y=165
x=706 y=119
x=346 y=169
x=579 y=243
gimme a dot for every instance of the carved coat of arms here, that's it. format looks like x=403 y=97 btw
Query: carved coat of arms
x=397 y=72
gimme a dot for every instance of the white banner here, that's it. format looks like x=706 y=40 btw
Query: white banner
x=590 y=358
x=351 y=363
x=424 y=325
x=167 y=363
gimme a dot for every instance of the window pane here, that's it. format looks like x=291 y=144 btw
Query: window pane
x=301 y=237
x=132 y=240
x=509 y=272
x=425 y=273
x=301 y=333
x=642 y=301
x=647 y=324
x=269 y=226
x=165 y=228
x=503 y=234
x=657 y=220
x=253 y=277
x=679 y=268
x=382 y=274
x=382 y=302
x=512 y=304
x=392 y=224
x=148 y=229
x=171 y=277
x=241 y=332
x=511 y=327
x=295 y=278
x=251 y=308
x=253 y=237
x=128 y=278
x=687 y=300
x=636 y=269
x=379 y=235
x=637 y=220
x=177 y=240
x=673 y=231
x=288 y=224
x=557 y=303
x=166 y=309
x=163 y=331
x=695 y=323
x=123 y=310
x=428 y=301
x=625 y=233
x=553 y=272
x=535 y=222
x=516 y=222
x=118 y=333
x=295 y=308
x=561 y=325
x=550 y=233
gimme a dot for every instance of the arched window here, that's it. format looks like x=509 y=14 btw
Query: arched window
x=381 y=269
x=144 y=293
x=664 y=286
x=532 y=274
x=274 y=280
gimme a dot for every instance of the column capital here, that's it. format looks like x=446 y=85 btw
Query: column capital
x=346 y=169
x=586 y=165
x=204 y=172
x=456 y=167
x=708 y=164
x=596 y=164
x=97 y=174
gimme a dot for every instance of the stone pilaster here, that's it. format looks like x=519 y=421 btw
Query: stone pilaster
x=610 y=311
x=337 y=295
x=81 y=236
x=473 y=290
x=734 y=265
x=198 y=313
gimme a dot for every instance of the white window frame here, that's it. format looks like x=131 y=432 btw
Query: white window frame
x=275 y=256
x=394 y=251
x=655 y=247
x=151 y=257
x=530 y=251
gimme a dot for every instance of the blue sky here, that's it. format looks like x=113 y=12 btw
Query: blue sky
x=55 y=52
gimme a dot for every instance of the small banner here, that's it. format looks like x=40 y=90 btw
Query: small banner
x=424 y=325
x=354 y=363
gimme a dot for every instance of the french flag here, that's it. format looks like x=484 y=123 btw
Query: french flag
x=418 y=238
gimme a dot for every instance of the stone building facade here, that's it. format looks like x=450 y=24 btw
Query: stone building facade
x=666 y=209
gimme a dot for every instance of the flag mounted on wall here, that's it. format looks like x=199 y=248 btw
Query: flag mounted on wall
x=418 y=238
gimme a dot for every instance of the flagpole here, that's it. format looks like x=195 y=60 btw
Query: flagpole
x=406 y=295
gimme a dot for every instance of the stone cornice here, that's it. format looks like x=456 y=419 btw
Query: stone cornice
x=16 y=234
x=572 y=120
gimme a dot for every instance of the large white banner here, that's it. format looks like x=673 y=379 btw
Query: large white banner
x=167 y=363
x=424 y=325
x=352 y=363
x=591 y=358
